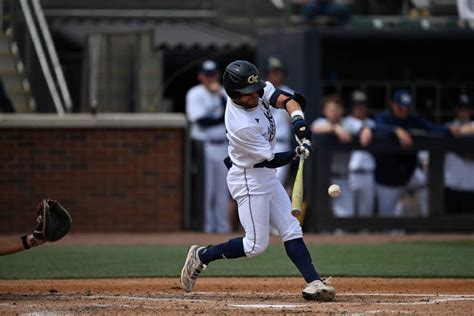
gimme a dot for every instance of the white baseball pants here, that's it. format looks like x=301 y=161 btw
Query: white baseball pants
x=363 y=193
x=262 y=201
x=342 y=205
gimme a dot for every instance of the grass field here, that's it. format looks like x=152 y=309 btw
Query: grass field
x=440 y=259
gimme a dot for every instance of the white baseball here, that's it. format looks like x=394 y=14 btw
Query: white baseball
x=334 y=190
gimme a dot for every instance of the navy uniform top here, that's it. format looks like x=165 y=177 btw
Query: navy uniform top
x=396 y=169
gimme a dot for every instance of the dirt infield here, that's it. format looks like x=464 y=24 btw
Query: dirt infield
x=234 y=296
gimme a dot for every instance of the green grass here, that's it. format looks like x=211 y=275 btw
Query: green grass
x=417 y=259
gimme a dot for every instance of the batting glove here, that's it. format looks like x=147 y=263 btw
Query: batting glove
x=302 y=131
x=304 y=150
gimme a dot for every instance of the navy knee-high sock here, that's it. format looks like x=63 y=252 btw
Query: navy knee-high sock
x=232 y=249
x=299 y=254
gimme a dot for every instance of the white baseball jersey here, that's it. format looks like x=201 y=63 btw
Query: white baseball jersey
x=360 y=159
x=251 y=132
x=262 y=201
x=458 y=171
x=201 y=103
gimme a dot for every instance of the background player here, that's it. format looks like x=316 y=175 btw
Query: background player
x=332 y=122
x=396 y=171
x=459 y=167
x=276 y=75
x=261 y=198
x=362 y=163
x=205 y=105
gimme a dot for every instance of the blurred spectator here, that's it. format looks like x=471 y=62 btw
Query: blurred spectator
x=395 y=173
x=466 y=10
x=362 y=163
x=205 y=106
x=333 y=111
x=276 y=74
x=326 y=7
x=6 y=105
x=420 y=8
x=459 y=167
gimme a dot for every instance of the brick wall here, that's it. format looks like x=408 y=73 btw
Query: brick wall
x=110 y=179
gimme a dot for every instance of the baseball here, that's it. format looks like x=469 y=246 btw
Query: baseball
x=334 y=190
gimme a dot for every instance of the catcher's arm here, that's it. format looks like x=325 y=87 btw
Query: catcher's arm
x=53 y=223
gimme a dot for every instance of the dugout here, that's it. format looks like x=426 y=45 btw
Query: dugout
x=317 y=179
x=435 y=65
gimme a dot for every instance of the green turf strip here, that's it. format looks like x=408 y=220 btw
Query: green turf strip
x=417 y=259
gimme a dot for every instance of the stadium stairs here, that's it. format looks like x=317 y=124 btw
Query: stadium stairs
x=12 y=72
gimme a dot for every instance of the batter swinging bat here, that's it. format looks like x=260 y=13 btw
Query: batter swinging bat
x=297 y=194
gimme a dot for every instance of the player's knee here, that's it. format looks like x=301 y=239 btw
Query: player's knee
x=258 y=247
x=293 y=232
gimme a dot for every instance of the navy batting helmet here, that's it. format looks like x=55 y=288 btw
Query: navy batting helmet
x=242 y=77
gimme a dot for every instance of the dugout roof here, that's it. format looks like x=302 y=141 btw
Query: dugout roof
x=168 y=35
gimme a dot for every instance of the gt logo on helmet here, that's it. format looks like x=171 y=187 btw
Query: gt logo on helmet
x=252 y=79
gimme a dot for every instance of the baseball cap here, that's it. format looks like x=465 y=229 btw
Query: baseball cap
x=358 y=97
x=209 y=67
x=403 y=98
x=274 y=63
x=463 y=101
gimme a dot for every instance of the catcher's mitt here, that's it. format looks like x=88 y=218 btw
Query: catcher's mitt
x=54 y=221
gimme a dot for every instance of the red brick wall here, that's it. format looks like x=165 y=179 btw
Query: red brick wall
x=109 y=179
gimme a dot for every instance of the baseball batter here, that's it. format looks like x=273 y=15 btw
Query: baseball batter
x=251 y=180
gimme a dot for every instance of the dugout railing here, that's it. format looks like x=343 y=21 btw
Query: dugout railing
x=319 y=216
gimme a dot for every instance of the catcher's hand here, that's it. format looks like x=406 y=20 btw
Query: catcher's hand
x=54 y=221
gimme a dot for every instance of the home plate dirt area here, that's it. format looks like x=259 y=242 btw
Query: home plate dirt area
x=234 y=296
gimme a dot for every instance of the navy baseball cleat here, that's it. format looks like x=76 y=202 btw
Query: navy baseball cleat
x=319 y=291
x=192 y=268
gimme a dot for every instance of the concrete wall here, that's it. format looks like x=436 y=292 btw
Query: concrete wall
x=116 y=172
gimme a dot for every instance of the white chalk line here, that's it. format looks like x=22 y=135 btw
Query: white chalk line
x=381 y=311
x=406 y=294
x=268 y=305
x=340 y=294
x=429 y=302
x=431 y=299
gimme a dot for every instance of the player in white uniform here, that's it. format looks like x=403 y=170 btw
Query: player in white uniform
x=362 y=163
x=205 y=105
x=332 y=122
x=261 y=198
x=459 y=167
x=276 y=74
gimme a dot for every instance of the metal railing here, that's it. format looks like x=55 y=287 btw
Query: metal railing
x=25 y=18
x=320 y=217
x=433 y=98
x=61 y=81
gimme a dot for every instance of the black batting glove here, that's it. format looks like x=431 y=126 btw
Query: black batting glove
x=301 y=130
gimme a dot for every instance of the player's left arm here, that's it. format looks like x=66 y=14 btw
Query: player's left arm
x=294 y=104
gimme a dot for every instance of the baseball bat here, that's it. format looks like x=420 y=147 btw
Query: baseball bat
x=297 y=194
